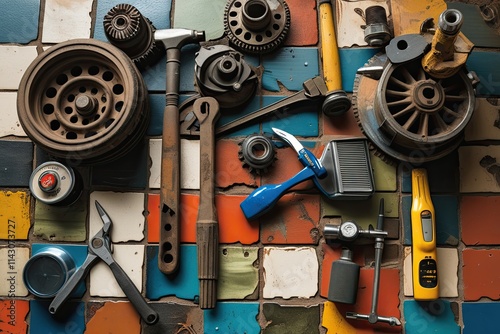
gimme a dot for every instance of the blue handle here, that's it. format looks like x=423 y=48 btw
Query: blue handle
x=309 y=160
x=263 y=198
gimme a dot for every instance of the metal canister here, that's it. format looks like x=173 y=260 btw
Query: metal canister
x=56 y=184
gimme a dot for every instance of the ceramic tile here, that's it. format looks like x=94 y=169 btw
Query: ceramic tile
x=249 y=127
x=16 y=163
x=180 y=318
x=12 y=262
x=349 y=31
x=291 y=319
x=190 y=163
x=290 y=67
x=125 y=211
x=485 y=122
x=478 y=218
x=16 y=215
x=480 y=317
x=232 y=317
x=102 y=280
x=290 y=272
x=351 y=59
x=384 y=174
x=18 y=59
x=66 y=20
x=157 y=108
x=229 y=169
x=13 y=313
x=431 y=317
x=293 y=220
x=201 y=15
x=480 y=270
x=407 y=15
x=447 y=272
x=477 y=28
x=304 y=29
x=114 y=317
x=483 y=63
x=238 y=274
x=184 y=284
x=446 y=211
x=71 y=319
x=333 y=320
x=61 y=223
x=19 y=22
x=342 y=125
x=153 y=218
x=479 y=169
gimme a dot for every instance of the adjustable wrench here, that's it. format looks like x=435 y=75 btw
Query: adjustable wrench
x=206 y=110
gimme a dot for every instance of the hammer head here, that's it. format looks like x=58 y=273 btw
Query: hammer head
x=177 y=38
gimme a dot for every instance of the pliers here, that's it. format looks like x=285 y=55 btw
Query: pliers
x=100 y=248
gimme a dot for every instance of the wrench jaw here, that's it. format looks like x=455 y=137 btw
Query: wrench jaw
x=373 y=318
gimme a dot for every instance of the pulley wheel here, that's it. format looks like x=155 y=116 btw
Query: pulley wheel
x=411 y=116
x=84 y=101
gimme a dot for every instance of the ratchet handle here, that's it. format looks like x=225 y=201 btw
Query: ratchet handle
x=145 y=311
x=265 y=197
x=67 y=289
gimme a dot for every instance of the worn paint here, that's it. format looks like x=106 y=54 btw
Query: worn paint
x=334 y=321
x=485 y=121
x=12 y=262
x=114 y=317
x=180 y=318
x=284 y=319
x=229 y=168
x=9 y=121
x=16 y=164
x=473 y=176
x=14 y=215
x=408 y=15
x=13 y=313
x=64 y=20
x=19 y=22
x=430 y=317
x=238 y=272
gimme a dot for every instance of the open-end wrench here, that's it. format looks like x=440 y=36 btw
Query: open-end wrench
x=206 y=110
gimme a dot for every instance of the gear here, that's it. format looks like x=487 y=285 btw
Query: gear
x=254 y=26
x=127 y=29
x=257 y=152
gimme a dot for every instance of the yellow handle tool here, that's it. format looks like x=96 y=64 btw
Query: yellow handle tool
x=423 y=232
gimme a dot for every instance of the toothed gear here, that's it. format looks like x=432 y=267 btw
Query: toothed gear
x=256 y=26
x=126 y=28
x=257 y=153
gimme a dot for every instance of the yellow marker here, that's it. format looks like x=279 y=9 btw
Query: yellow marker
x=14 y=215
x=423 y=233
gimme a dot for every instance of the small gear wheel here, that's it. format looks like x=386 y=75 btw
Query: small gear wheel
x=128 y=30
x=257 y=152
x=256 y=26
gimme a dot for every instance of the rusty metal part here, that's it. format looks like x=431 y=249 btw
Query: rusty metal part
x=83 y=101
x=206 y=110
x=256 y=26
x=257 y=152
x=449 y=49
x=222 y=73
x=377 y=32
x=128 y=30
x=409 y=115
x=314 y=91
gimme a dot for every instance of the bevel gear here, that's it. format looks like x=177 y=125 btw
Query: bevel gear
x=256 y=26
x=257 y=153
x=126 y=28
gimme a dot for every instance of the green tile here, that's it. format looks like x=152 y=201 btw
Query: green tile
x=291 y=319
x=201 y=15
x=238 y=277
x=384 y=174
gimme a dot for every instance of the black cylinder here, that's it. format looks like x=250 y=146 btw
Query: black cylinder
x=344 y=278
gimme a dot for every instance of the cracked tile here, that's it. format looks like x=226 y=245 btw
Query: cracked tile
x=13 y=313
x=483 y=211
x=480 y=316
x=16 y=163
x=15 y=214
x=481 y=273
x=281 y=319
x=102 y=280
x=19 y=22
x=181 y=319
x=71 y=318
x=66 y=20
x=231 y=317
x=114 y=317
x=430 y=317
x=18 y=59
x=485 y=121
x=12 y=262
x=238 y=272
x=479 y=169
x=229 y=169
x=290 y=272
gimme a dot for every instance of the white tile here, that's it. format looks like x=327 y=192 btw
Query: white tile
x=290 y=272
x=66 y=19
x=102 y=280
x=9 y=122
x=479 y=168
x=12 y=262
x=484 y=123
x=15 y=61
x=126 y=213
x=407 y=273
x=190 y=164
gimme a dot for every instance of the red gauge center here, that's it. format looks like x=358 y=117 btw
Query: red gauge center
x=48 y=181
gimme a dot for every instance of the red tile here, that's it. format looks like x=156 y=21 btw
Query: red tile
x=304 y=23
x=13 y=316
x=153 y=218
x=479 y=219
x=481 y=273
x=344 y=125
x=228 y=167
x=293 y=220
x=113 y=318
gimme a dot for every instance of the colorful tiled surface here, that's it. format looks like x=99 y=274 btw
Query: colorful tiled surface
x=274 y=272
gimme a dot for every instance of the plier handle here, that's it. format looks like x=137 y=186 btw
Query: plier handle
x=100 y=248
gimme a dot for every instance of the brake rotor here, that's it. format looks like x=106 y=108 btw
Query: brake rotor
x=84 y=101
x=409 y=115
x=256 y=26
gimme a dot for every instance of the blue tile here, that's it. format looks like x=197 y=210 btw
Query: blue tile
x=77 y=252
x=184 y=284
x=229 y=115
x=19 y=23
x=16 y=163
x=350 y=61
x=302 y=121
x=157 y=105
x=447 y=221
x=480 y=317
x=231 y=318
x=70 y=320
x=430 y=317
x=291 y=67
x=485 y=64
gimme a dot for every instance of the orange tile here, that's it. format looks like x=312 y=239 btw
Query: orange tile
x=153 y=218
x=344 y=125
x=189 y=213
x=483 y=211
x=304 y=29
x=116 y=318
x=228 y=167
x=293 y=220
x=13 y=316
x=481 y=273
